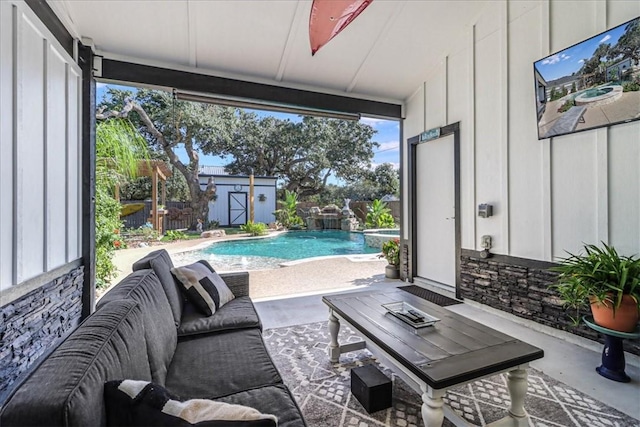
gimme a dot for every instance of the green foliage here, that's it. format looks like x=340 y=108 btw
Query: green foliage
x=379 y=215
x=172 y=128
x=287 y=215
x=391 y=251
x=600 y=273
x=172 y=235
x=631 y=87
x=555 y=94
x=107 y=228
x=573 y=87
x=566 y=105
x=254 y=228
x=118 y=150
x=304 y=154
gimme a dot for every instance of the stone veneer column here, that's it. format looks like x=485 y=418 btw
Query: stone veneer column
x=36 y=323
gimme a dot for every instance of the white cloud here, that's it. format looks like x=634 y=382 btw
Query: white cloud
x=605 y=38
x=388 y=146
x=372 y=121
x=99 y=85
x=565 y=57
x=581 y=61
x=551 y=60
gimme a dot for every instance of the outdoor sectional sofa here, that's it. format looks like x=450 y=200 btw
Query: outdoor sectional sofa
x=143 y=329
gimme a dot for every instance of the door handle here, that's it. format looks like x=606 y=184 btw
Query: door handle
x=453 y=217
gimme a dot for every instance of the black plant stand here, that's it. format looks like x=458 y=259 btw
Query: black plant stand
x=613 y=362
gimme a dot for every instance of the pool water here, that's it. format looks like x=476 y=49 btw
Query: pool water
x=592 y=93
x=256 y=254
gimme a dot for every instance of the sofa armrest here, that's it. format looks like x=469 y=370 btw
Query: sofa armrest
x=237 y=282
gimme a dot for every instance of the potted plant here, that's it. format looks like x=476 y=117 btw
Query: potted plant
x=607 y=281
x=391 y=251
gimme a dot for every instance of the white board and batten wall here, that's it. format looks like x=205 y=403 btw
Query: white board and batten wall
x=549 y=196
x=40 y=149
x=239 y=184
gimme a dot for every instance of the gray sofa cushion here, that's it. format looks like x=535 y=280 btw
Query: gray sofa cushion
x=160 y=332
x=238 y=313
x=160 y=262
x=275 y=399
x=211 y=366
x=67 y=388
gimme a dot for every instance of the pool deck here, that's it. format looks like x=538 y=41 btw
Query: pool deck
x=295 y=278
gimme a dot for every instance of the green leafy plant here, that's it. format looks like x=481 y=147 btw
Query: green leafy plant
x=391 y=251
x=172 y=235
x=631 y=87
x=119 y=148
x=379 y=215
x=254 y=228
x=600 y=274
x=287 y=215
x=566 y=106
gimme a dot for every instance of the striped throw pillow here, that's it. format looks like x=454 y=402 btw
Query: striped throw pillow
x=203 y=286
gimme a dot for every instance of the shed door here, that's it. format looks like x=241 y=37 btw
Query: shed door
x=237 y=208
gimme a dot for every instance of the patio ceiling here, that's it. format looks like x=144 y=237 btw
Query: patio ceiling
x=385 y=54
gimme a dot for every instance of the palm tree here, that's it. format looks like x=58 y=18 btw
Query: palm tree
x=119 y=149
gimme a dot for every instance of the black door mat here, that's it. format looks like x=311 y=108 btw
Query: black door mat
x=431 y=296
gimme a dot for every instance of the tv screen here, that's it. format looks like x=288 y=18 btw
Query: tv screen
x=591 y=84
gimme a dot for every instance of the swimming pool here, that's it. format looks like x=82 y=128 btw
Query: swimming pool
x=258 y=254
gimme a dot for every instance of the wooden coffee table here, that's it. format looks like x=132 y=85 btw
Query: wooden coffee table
x=454 y=351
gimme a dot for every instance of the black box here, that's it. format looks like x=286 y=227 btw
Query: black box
x=371 y=387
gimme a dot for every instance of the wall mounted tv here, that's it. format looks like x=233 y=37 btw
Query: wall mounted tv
x=591 y=84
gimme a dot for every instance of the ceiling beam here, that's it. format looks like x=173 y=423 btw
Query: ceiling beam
x=122 y=71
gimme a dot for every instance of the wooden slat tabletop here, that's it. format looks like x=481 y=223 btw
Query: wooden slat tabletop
x=454 y=350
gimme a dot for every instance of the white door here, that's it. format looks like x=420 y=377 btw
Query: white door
x=435 y=205
x=237 y=208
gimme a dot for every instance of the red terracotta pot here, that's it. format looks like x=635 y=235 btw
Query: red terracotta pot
x=624 y=319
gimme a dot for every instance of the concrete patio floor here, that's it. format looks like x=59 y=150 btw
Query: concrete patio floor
x=568 y=358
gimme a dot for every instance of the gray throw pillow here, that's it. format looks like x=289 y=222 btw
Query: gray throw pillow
x=203 y=286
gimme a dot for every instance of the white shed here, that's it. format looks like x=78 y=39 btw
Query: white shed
x=231 y=206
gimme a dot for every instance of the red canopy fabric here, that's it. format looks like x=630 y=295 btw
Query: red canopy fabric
x=329 y=17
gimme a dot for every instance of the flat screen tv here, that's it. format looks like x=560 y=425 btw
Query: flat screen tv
x=591 y=84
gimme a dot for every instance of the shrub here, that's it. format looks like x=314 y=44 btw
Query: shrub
x=567 y=105
x=379 y=215
x=175 y=235
x=254 y=228
x=631 y=87
x=287 y=215
x=391 y=251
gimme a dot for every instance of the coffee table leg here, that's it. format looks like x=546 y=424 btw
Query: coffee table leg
x=334 y=328
x=432 y=403
x=517 y=385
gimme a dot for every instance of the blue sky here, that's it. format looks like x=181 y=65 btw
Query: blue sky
x=388 y=134
x=571 y=59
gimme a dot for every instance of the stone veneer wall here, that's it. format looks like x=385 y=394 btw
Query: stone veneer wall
x=521 y=287
x=36 y=323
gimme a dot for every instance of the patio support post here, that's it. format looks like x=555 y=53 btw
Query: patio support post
x=85 y=60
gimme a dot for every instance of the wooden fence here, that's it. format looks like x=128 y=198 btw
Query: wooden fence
x=179 y=215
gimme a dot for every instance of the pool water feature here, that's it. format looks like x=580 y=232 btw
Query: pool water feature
x=270 y=252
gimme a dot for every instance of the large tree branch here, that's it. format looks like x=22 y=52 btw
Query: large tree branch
x=131 y=105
